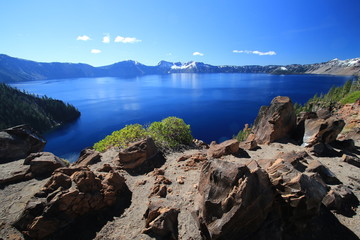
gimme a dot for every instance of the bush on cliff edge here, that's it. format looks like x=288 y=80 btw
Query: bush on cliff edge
x=170 y=133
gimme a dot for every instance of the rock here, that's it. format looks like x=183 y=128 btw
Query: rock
x=302 y=192
x=233 y=200
x=325 y=173
x=341 y=199
x=43 y=164
x=321 y=130
x=300 y=125
x=275 y=122
x=160 y=179
x=323 y=150
x=180 y=179
x=161 y=222
x=183 y=158
x=106 y=168
x=200 y=144
x=351 y=160
x=18 y=142
x=87 y=157
x=137 y=153
x=159 y=190
x=225 y=148
x=69 y=199
x=324 y=113
x=299 y=160
x=13 y=172
x=249 y=144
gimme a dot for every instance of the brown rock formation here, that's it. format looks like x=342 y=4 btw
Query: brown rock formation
x=161 y=221
x=69 y=195
x=233 y=200
x=275 y=122
x=137 y=153
x=225 y=148
x=18 y=142
x=321 y=130
x=43 y=164
x=87 y=157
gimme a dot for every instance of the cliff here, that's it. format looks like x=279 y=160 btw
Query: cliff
x=268 y=187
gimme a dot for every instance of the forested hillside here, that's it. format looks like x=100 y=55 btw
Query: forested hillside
x=42 y=113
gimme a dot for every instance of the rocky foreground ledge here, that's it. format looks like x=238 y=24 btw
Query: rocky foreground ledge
x=293 y=178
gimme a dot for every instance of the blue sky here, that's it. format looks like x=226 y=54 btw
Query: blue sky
x=226 y=32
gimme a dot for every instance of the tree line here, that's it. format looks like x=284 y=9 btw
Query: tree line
x=41 y=113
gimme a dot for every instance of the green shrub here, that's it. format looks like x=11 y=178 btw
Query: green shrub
x=170 y=133
x=350 y=98
x=243 y=134
x=121 y=138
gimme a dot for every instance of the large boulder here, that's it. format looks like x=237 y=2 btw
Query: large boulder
x=161 y=222
x=68 y=198
x=43 y=164
x=88 y=157
x=234 y=200
x=302 y=192
x=136 y=154
x=275 y=122
x=321 y=131
x=225 y=148
x=18 y=142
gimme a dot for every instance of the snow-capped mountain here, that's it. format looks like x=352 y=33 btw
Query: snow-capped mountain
x=15 y=69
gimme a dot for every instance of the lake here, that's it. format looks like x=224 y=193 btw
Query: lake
x=215 y=105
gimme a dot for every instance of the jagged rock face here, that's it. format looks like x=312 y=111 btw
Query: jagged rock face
x=280 y=196
x=321 y=130
x=161 y=221
x=225 y=148
x=70 y=193
x=43 y=164
x=301 y=191
x=18 y=142
x=137 y=153
x=87 y=157
x=234 y=200
x=275 y=122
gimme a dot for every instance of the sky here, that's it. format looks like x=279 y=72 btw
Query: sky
x=226 y=32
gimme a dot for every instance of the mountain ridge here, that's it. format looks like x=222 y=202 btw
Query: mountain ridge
x=16 y=69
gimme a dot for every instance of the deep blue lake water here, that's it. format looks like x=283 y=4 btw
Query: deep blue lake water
x=215 y=105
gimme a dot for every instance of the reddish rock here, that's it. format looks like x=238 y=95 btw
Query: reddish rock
x=321 y=131
x=233 y=200
x=18 y=142
x=351 y=160
x=275 y=122
x=325 y=173
x=341 y=199
x=137 y=153
x=161 y=222
x=43 y=164
x=225 y=148
x=250 y=143
x=67 y=197
x=303 y=192
x=88 y=157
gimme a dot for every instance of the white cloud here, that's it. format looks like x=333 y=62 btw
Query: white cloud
x=126 y=39
x=198 y=54
x=95 y=51
x=255 y=52
x=83 y=38
x=106 y=39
